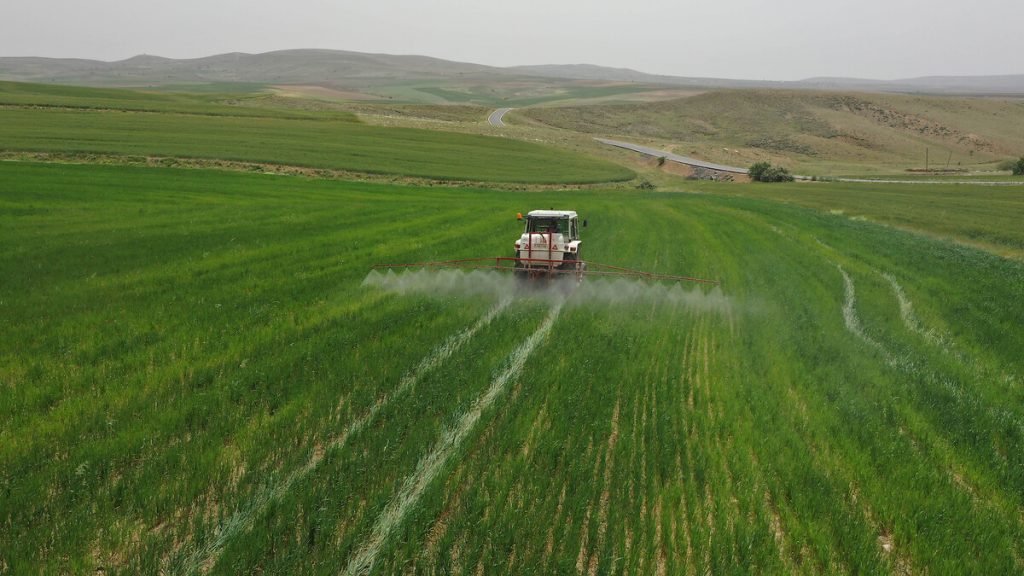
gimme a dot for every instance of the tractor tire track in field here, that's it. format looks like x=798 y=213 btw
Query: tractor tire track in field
x=905 y=363
x=936 y=337
x=430 y=465
x=957 y=470
x=241 y=520
x=853 y=325
x=910 y=319
x=851 y=319
x=948 y=460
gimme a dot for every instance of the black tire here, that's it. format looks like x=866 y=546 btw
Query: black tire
x=520 y=272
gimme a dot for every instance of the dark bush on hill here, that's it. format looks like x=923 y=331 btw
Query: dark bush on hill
x=757 y=169
x=1018 y=167
x=765 y=172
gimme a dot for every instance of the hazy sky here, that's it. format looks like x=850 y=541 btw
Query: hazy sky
x=777 y=40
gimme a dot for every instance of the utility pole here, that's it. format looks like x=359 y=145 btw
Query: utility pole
x=950 y=158
x=925 y=159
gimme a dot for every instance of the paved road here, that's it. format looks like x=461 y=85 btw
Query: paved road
x=978 y=182
x=495 y=118
x=670 y=156
x=702 y=164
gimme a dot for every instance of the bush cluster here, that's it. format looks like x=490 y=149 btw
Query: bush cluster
x=765 y=172
x=1014 y=166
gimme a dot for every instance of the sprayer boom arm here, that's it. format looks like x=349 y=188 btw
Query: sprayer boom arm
x=577 y=267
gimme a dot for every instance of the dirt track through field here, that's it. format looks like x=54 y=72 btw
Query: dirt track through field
x=241 y=520
x=430 y=466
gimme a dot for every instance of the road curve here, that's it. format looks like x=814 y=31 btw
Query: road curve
x=702 y=164
x=495 y=118
x=670 y=156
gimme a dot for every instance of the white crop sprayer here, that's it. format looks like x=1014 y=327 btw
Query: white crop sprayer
x=548 y=248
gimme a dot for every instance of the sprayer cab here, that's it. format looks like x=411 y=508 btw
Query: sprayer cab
x=550 y=242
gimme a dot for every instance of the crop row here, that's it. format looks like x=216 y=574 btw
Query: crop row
x=197 y=379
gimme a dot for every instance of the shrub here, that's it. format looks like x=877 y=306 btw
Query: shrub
x=1018 y=167
x=757 y=170
x=765 y=172
x=1006 y=165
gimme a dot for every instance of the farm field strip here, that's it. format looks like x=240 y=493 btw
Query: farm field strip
x=934 y=445
x=905 y=362
x=746 y=431
x=923 y=434
x=25 y=95
x=938 y=338
x=431 y=464
x=242 y=518
x=934 y=377
x=311 y=143
x=987 y=218
x=858 y=506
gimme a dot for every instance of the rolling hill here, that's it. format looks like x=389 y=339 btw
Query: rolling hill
x=813 y=131
x=353 y=70
x=286 y=66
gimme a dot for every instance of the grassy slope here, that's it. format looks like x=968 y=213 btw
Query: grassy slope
x=176 y=341
x=498 y=91
x=184 y=126
x=821 y=133
x=518 y=94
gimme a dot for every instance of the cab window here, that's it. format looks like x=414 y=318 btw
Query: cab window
x=542 y=225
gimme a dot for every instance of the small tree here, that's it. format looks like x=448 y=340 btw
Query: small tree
x=765 y=172
x=1018 y=168
x=757 y=170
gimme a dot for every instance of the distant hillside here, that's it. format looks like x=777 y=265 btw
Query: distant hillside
x=963 y=85
x=814 y=132
x=282 y=67
x=1008 y=85
x=354 y=70
x=592 y=72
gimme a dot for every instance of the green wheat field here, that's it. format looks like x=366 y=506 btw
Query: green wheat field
x=201 y=373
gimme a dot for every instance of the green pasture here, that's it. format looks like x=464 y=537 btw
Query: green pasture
x=330 y=143
x=208 y=103
x=985 y=216
x=195 y=379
